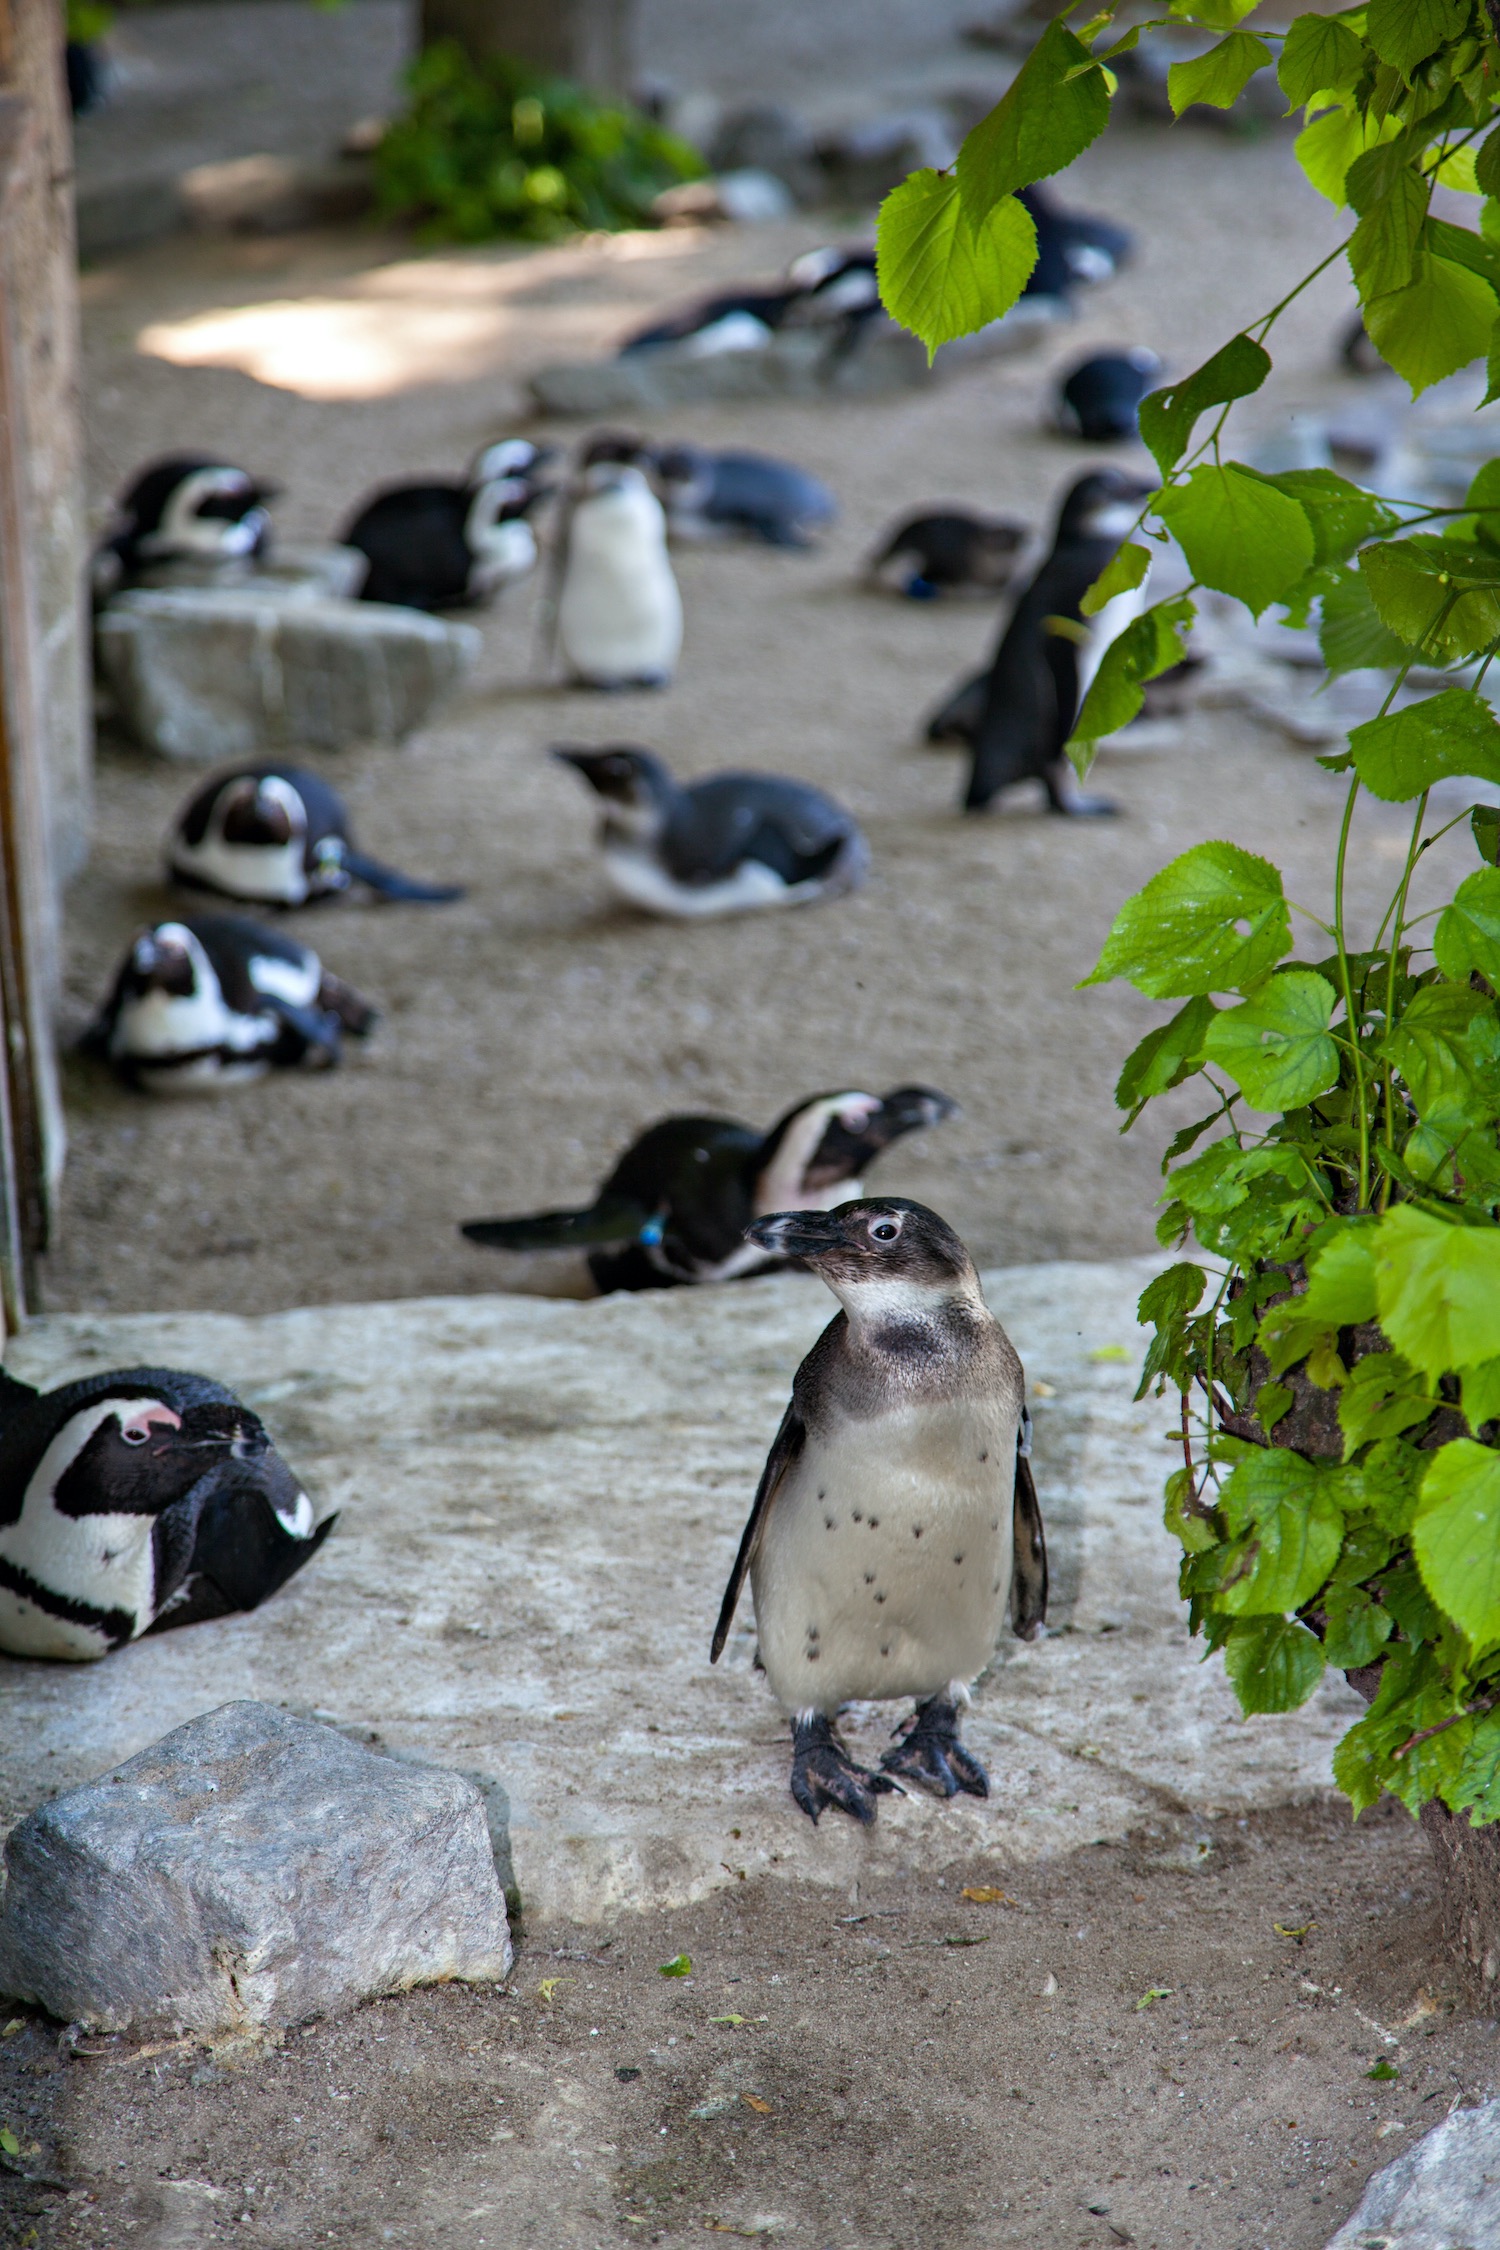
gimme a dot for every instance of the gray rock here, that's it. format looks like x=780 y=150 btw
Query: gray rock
x=765 y=137
x=742 y=198
x=249 y=1868
x=1442 y=2193
x=211 y=674
x=275 y=194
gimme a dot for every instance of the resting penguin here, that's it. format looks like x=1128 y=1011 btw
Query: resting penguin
x=1017 y=715
x=728 y=845
x=1099 y=399
x=215 y=1000
x=675 y=1208
x=733 y=320
x=896 y=1520
x=189 y=508
x=449 y=546
x=134 y=1501
x=618 y=610
x=1073 y=247
x=926 y=555
x=715 y=493
x=279 y=836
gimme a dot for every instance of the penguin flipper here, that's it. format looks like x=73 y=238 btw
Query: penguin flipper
x=14 y=1393
x=958 y=720
x=613 y=1219
x=786 y=1447
x=392 y=884
x=1028 y=1580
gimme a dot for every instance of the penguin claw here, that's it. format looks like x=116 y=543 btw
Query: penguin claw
x=929 y=1753
x=824 y=1774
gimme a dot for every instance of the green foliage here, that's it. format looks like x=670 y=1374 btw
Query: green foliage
x=1150 y=645
x=1241 y=534
x=1275 y=1044
x=1055 y=107
x=942 y=274
x=1167 y=416
x=1219 y=77
x=1182 y=935
x=503 y=151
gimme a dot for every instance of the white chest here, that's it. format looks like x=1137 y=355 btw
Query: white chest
x=620 y=614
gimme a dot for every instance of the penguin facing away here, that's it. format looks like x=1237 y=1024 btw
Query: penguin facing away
x=734 y=843
x=675 y=1208
x=216 y=1000
x=1099 y=399
x=438 y=545
x=186 y=508
x=927 y=555
x=134 y=1501
x=896 y=1521
x=619 y=612
x=279 y=836
x=707 y=494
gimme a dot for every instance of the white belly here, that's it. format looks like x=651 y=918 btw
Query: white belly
x=884 y=1568
x=642 y=880
x=619 y=616
x=259 y=871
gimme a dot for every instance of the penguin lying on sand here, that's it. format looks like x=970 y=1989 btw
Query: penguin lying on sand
x=618 y=611
x=1017 y=715
x=676 y=1206
x=707 y=493
x=1073 y=247
x=134 y=1501
x=448 y=546
x=279 y=836
x=825 y=288
x=188 y=508
x=215 y=1000
x=1099 y=399
x=896 y=1521
x=730 y=844
x=933 y=553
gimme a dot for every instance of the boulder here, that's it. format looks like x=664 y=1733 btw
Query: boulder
x=250 y=1868
x=212 y=674
x=1441 y=2192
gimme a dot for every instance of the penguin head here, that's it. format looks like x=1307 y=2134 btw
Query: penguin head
x=884 y=1259
x=191 y=507
x=262 y=809
x=138 y=1454
x=1100 y=397
x=832 y=1137
x=168 y=960
x=636 y=787
x=508 y=457
x=1102 y=505
x=685 y=474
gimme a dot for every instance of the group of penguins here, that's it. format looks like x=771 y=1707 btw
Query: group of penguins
x=896 y=1525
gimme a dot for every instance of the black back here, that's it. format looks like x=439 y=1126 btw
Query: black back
x=324 y=807
x=769 y=305
x=412 y=535
x=718 y=824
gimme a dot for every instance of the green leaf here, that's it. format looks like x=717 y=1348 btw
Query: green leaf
x=1167 y=1055
x=1126 y=569
x=1357 y=1628
x=1383 y=1486
x=1405 y=32
x=1484 y=824
x=1438 y=324
x=1214 y=920
x=1285 y=1503
x=941 y=275
x=1213 y=15
x=1276 y=1046
x=1342 y=515
x=1273 y=1663
x=1383 y=247
x=1352 y=635
x=1381 y=1399
x=1465 y=248
x=1476 y=1789
x=1327 y=147
x=1150 y=645
x=678 y=1966
x=1167 y=416
x=1412 y=1695
x=1271 y=1403
x=1172 y=1295
x=1468 y=931
x=1318 y=55
x=1239 y=533
x=1399 y=756
x=1438 y=1290
x=1220 y=77
x=1046 y=118
x=1441 y=595
x=1481 y=1393
x=1383 y=2070
x=9 y=2142
x=1456 y=1537
x=1340 y=1293
x=1193 y=1528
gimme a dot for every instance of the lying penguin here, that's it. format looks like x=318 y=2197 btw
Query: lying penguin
x=279 y=836
x=1016 y=715
x=618 y=610
x=135 y=1501
x=675 y=1208
x=829 y=287
x=215 y=1000
x=1099 y=400
x=450 y=546
x=928 y=555
x=731 y=844
x=1074 y=248
x=896 y=1520
x=188 y=508
x=707 y=494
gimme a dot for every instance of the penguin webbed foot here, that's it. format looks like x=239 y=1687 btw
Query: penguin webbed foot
x=1065 y=798
x=927 y=1751
x=824 y=1774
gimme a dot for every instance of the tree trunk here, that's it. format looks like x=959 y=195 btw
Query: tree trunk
x=1469 y=1870
x=590 y=40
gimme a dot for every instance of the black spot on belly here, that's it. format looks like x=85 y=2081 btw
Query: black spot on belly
x=812 y=1632
x=958 y=1558
x=994 y=1523
x=874 y=1523
x=886 y=1650
x=830 y=1524
x=984 y=1457
x=822 y=1496
x=812 y=1655
x=916 y=1531
x=880 y=1597
x=857 y=1514
x=869 y=1577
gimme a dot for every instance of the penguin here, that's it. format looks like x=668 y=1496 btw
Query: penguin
x=731 y=320
x=187 y=508
x=1017 y=715
x=279 y=836
x=1099 y=399
x=732 y=844
x=675 y=1208
x=714 y=493
x=451 y=546
x=215 y=1000
x=933 y=553
x=618 y=611
x=135 y=1501
x=896 y=1519
x=1074 y=248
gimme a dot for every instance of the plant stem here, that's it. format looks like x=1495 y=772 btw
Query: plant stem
x=1348 y=986
x=1413 y=853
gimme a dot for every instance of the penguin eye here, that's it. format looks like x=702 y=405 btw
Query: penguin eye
x=133 y=1434
x=885 y=1230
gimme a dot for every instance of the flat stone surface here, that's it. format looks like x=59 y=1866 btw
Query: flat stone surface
x=250 y=1868
x=541 y=1501
x=1443 y=2193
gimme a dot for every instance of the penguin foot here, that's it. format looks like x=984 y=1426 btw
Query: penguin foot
x=927 y=1751
x=823 y=1773
x=1083 y=807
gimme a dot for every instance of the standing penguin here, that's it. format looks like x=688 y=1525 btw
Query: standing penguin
x=708 y=494
x=188 y=508
x=896 y=1520
x=675 y=1208
x=448 y=546
x=1099 y=400
x=619 y=613
x=279 y=836
x=1018 y=714
x=927 y=555
x=137 y=1500
x=215 y=1000
x=731 y=844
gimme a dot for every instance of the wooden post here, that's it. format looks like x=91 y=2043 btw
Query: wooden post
x=593 y=41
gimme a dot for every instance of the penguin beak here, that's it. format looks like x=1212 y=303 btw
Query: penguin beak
x=911 y=1109
x=799 y=1234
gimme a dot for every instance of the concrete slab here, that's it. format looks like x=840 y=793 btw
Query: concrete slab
x=541 y=1503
